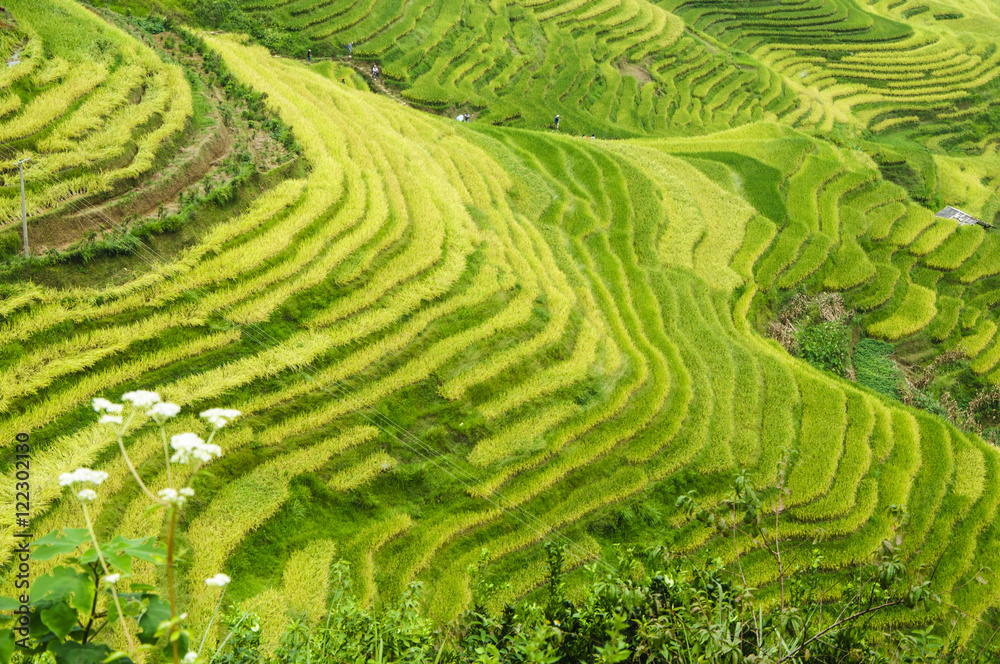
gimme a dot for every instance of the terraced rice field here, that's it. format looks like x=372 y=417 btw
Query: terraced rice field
x=630 y=67
x=88 y=105
x=451 y=337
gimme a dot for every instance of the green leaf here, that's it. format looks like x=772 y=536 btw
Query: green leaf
x=6 y=645
x=9 y=604
x=120 y=561
x=62 y=583
x=60 y=618
x=183 y=645
x=72 y=652
x=143 y=549
x=59 y=542
x=155 y=613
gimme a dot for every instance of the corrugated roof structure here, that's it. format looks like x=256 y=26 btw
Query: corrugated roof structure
x=961 y=217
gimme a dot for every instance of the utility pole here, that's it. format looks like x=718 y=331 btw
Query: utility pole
x=24 y=213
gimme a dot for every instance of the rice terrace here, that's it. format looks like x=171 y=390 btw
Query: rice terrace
x=498 y=297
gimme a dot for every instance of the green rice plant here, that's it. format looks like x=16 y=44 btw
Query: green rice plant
x=984 y=263
x=987 y=358
x=9 y=103
x=80 y=391
x=914 y=313
x=851 y=266
x=974 y=343
x=905 y=231
x=821 y=438
x=882 y=219
x=947 y=318
x=781 y=254
x=306 y=578
x=362 y=548
x=53 y=103
x=954 y=251
x=524 y=435
x=560 y=299
x=362 y=472
x=813 y=256
x=969 y=317
x=933 y=237
x=246 y=503
x=759 y=235
x=932 y=483
x=302 y=595
x=40 y=368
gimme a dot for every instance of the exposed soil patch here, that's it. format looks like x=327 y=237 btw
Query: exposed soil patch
x=158 y=193
x=636 y=71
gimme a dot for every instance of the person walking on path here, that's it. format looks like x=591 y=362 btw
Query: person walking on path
x=374 y=72
x=557 y=122
x=350 y=50
x=309 y=55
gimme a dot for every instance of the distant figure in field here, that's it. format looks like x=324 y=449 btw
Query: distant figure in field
x=374 y=72
x=309 y=55
x=557 y=122
x=350 y=50
x=344 y=81
x=467 y=116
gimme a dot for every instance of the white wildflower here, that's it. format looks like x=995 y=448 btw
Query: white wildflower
x=106 y=406
x=163 y=410
x=112 y=578
x=110 y=419
x=219 y=580
x=189 y=446
x=83 y=475
x=190 y=658
x=220 y=417
x=171 y=497
x=87 y=495
x=187 y=492
x=141 y=398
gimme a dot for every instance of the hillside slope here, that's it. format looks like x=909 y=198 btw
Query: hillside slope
x=446 y=338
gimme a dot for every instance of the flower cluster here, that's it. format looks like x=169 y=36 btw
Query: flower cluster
x=87 y=495
x=163 y=410
x=83 y=475
x=174 y=497
x=189 y=446
x=141 y=398
x=103 y=405
x=219 y=580
x=220 y=417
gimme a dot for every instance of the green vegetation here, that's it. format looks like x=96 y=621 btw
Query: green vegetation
x=875 y=369
x=449 y=337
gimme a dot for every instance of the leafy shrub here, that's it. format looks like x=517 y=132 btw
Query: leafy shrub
x=875 y=369
x=826 y=346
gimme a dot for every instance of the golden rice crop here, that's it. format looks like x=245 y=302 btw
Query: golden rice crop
x=362 y=472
